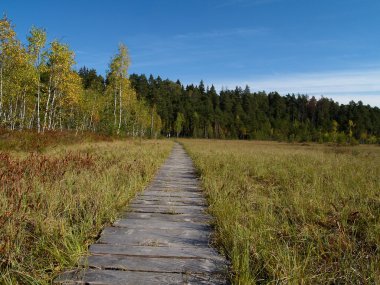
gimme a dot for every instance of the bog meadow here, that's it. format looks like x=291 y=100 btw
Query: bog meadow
x=292 y=180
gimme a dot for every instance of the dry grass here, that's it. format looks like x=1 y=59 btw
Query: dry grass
x=31 y=141
x=53 y=204
x=292 y=213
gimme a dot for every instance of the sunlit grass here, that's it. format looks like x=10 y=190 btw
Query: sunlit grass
x=294 y=214
x=53 y=204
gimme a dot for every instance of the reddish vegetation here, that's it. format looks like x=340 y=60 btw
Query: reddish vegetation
x=18 y=175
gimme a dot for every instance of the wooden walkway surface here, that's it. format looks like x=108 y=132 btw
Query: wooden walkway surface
x=162 y=239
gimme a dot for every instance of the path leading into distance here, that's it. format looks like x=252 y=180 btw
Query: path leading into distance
x=162 y=239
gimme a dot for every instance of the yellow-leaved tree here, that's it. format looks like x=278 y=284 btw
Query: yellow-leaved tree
x=119 y=85
x=37 y=40
x=64 y=87
x=15 y=78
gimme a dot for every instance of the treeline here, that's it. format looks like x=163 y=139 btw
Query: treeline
x=40 y=90
x=199 y=111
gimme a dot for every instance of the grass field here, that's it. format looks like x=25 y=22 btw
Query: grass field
x=291 y=213
x=54 y=202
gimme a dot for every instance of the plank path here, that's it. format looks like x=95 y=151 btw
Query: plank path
x=163 y=238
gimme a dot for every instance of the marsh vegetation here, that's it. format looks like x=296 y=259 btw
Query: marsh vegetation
x=53 y=203
x=294 y=213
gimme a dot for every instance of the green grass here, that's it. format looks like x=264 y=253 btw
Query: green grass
x=291 y=213
x=53 y=204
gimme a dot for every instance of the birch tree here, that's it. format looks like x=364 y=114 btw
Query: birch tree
x=15 y=76
x=7 y=40
x=61 y=81
x=37 y=40
x=40 y=89
x=119 y=81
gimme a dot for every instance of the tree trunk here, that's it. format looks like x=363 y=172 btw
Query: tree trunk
x=23 y=111
x=38 y=104
x=47 y=105
x=60 y=119
x=114 y=107
x=14 y=115
x=32 y=117
x=151 y=123
x=52 y=109
x=120 y=93
x=10 y=116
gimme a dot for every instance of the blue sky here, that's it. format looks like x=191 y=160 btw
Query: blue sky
x=318 y=47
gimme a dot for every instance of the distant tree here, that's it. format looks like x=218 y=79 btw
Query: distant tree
x=118 y=76
x=179 y=122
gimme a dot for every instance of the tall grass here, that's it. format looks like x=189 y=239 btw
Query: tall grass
x=31 y=141
x=294 y=214
x=53 y=204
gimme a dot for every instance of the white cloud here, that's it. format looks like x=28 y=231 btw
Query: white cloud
x=342 y=86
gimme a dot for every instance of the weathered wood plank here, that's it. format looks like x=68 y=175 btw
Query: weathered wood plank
x=115 y=277
x=167 y=209
x=199 y=218
x=178 y=194
x=160 y=224
x=150 y=251
x=118 y=277
x=154 y=238
x=153 y=264
x=167 y=206
x=170 y=201
x=177 y=232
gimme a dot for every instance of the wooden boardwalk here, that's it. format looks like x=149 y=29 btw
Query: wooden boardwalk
x=162 y=239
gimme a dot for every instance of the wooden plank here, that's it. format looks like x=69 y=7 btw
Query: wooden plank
x=169 y=209
x=177 y=181
x=159 y=224
x=194 y=218
x=153 y=264
x=178 y=232
x=178 y=194
x=167 y=206
x=148 y=198
x=170 y=201
x=191 y=182
x=119 y=277
x=150 y=251
x=175 y=188
x=154 y=238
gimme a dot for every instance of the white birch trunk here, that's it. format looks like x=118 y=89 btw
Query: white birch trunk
x=47 y=105
x=114 y=108
x=52 y=109
x=23 y=111
x=38 y=104
x=120 y=93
